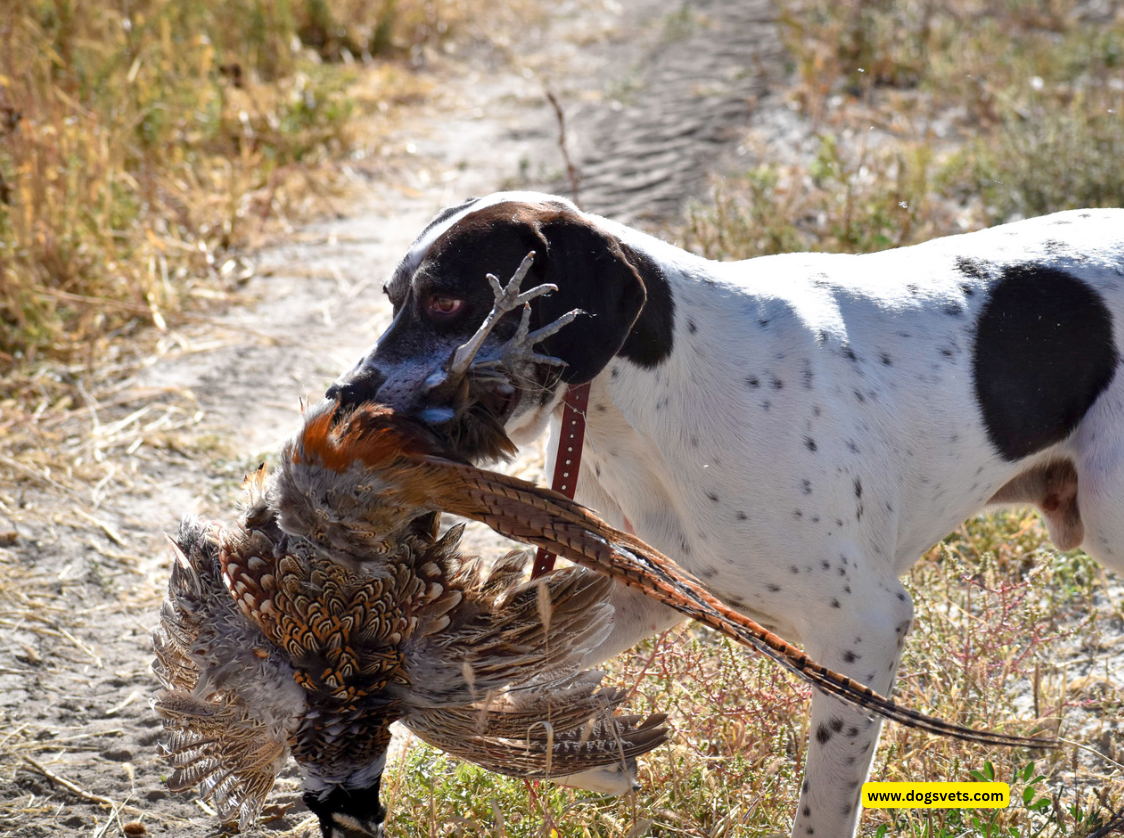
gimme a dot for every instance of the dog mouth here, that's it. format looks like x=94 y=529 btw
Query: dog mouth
x=500 y=401
x=468 y=412
x=474 y=427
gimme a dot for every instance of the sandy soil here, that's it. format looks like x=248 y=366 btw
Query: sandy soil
x=653 y=101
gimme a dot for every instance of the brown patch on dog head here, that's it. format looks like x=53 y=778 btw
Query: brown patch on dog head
x=621 y=292
x=588 y=266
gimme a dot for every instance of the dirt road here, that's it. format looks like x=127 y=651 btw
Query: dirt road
x=653 y=102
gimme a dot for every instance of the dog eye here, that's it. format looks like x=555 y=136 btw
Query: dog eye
x=442 y=307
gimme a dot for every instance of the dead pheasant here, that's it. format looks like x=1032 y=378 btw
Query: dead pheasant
x=268 y=647
x=311 y=638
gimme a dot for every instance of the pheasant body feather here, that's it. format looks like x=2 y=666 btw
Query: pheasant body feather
x=273 y=643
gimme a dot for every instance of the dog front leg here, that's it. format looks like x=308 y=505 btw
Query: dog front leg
x=867 y=646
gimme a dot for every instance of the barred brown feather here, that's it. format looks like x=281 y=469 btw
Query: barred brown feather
x=269 y=646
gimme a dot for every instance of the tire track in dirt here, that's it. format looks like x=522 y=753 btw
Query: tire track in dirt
x=682 y=111
x=653 y=102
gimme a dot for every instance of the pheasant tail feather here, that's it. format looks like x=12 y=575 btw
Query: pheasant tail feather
x=544 y=518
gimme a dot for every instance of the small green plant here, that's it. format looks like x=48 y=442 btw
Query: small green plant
x=1053 y=157
x=930 y=118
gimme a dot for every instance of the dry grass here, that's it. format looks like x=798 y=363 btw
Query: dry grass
x=143 y=146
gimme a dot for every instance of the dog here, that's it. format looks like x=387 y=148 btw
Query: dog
x=796 y=430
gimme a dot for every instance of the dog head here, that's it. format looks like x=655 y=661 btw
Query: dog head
x=441 y=296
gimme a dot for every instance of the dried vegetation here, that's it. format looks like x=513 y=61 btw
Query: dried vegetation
x=910 y=119
x=144 y=146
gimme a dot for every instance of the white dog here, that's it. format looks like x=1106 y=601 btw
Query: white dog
x=796 y=430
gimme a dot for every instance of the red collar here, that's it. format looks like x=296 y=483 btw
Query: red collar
x=567 y=459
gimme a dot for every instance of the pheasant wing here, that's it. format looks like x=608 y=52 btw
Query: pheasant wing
x=544 y=731
x=226 y=694
x=509 y=632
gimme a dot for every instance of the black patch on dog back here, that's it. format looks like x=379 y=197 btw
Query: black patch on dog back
x=1044 y=352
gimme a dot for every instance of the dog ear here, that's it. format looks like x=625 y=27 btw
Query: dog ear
x=592 y=274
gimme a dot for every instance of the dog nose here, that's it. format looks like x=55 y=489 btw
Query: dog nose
x=357 y=387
